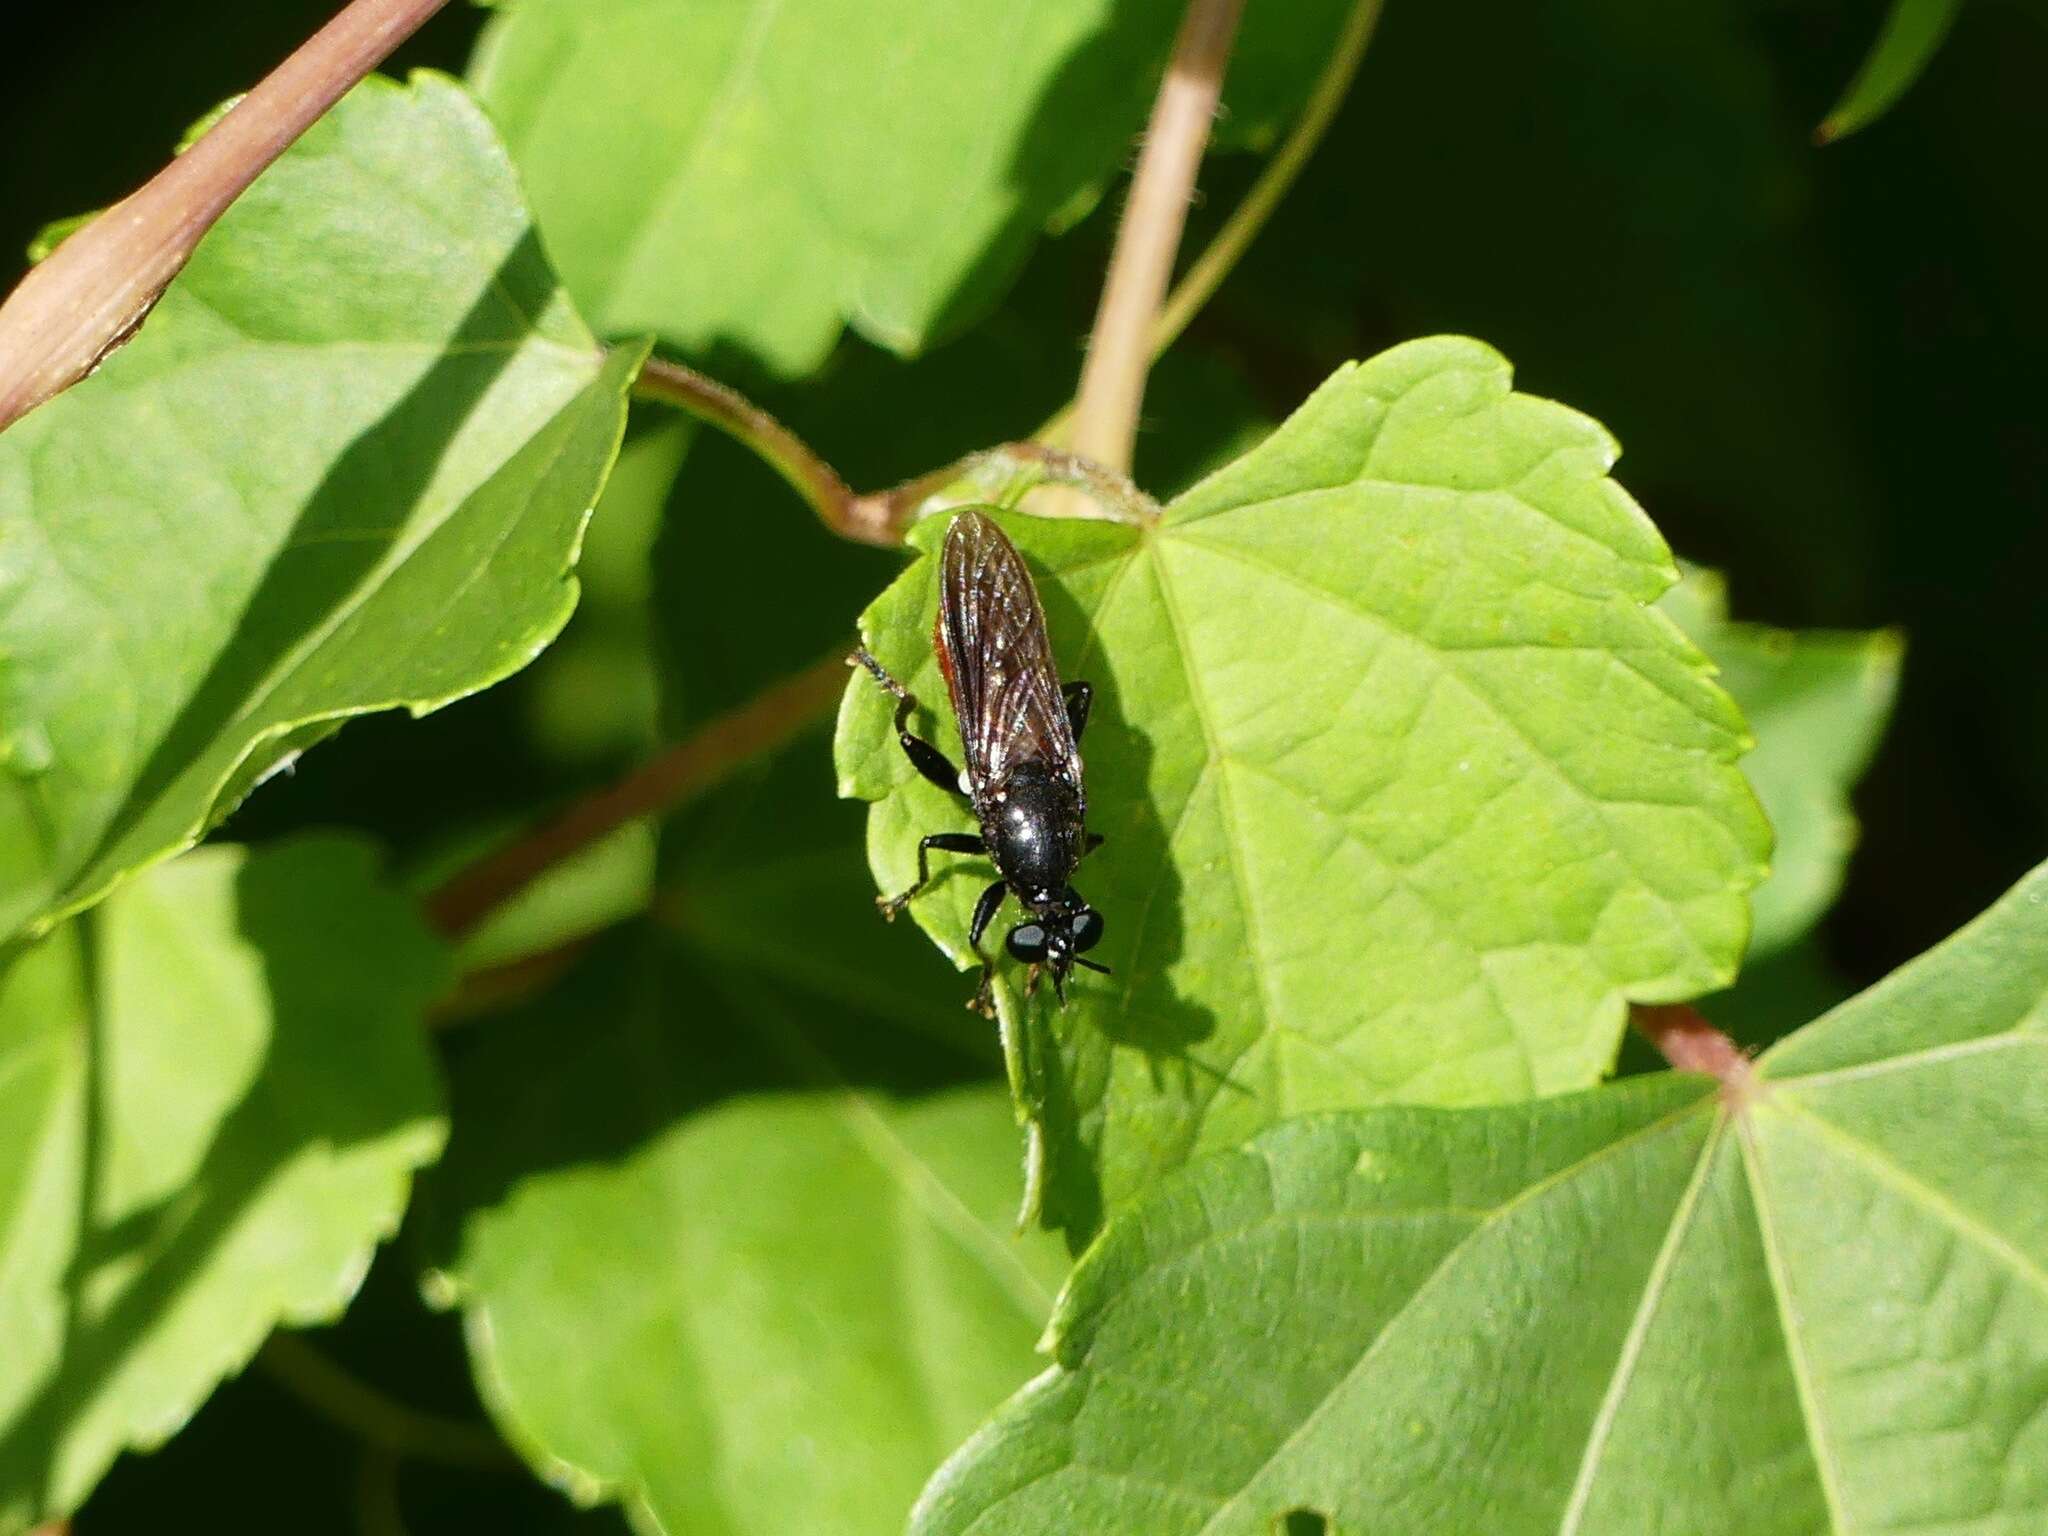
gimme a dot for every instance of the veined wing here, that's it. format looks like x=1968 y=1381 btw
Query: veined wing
x=991 y=641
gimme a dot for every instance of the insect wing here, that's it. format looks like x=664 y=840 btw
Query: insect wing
x=991 y=642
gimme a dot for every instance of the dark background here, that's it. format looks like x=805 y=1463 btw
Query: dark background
x=1826 y=368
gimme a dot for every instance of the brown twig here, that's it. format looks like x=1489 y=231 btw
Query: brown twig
x=94 y=290
x=839 y=507
x=761 y=724
x=1119 y=347
x=880 y=517
x=1685 y=1039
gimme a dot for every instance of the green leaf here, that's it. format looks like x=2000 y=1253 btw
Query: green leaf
x=1912 y=34
x=759 y=173
x=55 y=233
x=1406 y=791
x=788 y=1298
x=594 y=697
x=1815 y=1301
x=211 y=1108
x=608 y=882
x=343 y=467
x=1818 y=701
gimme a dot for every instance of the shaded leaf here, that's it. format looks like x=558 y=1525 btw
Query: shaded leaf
x=1818 y=702
x=788 y=1298
x=210 y=1112
x=605 y=883
x=594 y=697
x=344 y=466
x=1818 y=1302
x=756 y=174
x=1405 y=790
x=1913 y=32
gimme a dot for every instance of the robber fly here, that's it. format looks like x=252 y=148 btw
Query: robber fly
x=1018 y=729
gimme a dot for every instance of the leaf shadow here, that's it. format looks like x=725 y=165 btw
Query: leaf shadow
x=290 y=1107
x=1133 y=880
x=350 y=524
x=1051 y=169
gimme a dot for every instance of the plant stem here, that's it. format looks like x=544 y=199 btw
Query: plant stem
x=382 y=1421
x=1691 y=1044
x=1201 y=280
x=1119 y=347
x=94 y=290
x=378 y=1510
x=880 y=517
x=822 y=487
x=761 y=724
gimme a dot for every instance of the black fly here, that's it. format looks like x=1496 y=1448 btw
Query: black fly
x=1018 y=731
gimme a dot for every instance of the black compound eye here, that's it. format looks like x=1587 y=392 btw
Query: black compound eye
x=1027 y=941
x=1087 y=930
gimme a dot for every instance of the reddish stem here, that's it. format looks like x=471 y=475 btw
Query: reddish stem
x=761 y=724
x=1686 y=1040
x=94 y=290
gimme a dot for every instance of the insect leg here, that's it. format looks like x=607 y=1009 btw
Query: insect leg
x=984 y=913
x=1079 y=697
x=1093 y=842
x=945 y=842
x=924 y=757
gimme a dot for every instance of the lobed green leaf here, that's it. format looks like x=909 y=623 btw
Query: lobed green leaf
x=344 y=466
x=1406 y=790
x=211 y=1109
x=1814 y=1300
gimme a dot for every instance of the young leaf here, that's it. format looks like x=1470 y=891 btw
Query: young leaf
x=1405 y=790
x=1912 y=34
x=788 y=1298
x=756 y=175
x=211 y=1106
x=1818 y=701
x=344 y=466
x=1815 y=1300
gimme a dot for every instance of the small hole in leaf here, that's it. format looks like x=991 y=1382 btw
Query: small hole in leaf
x=1302 y=1522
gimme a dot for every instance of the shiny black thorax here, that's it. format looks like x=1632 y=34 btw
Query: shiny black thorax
x=1032 y=823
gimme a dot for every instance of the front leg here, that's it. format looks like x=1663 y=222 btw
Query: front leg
x=983 y=1001
x=924 y=757
x=1080 y=698
x=945 y=842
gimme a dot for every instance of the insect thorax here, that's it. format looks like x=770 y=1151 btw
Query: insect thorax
x=1032 y=825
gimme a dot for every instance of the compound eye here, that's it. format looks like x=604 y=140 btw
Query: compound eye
x=1087 y=930
x=1027 y=942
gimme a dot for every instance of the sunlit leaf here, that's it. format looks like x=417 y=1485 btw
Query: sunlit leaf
x=213 y=1093
x=344 y=466
x=1816 y=1301
x=1406 y=791
x=754 y=175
